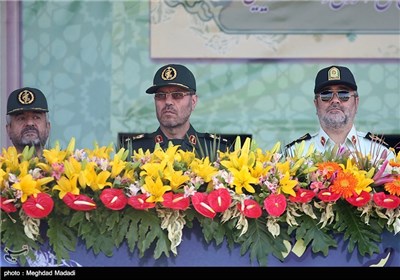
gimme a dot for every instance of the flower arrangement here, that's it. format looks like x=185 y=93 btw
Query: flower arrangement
x=259 y=199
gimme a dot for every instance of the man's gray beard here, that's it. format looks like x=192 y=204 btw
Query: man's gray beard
x=334 y=123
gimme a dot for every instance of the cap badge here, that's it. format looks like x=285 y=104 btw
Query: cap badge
x=333 y=74
x=26 y=97
x=192 y=139
x=168 y=74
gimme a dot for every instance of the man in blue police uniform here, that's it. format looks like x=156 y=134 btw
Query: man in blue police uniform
x=27 y=119
x=336 y=101
x=174 y=89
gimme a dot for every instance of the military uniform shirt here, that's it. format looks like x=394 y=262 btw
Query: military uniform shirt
x=201 y=143
x=355 y=141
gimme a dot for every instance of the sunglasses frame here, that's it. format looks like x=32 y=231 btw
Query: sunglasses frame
x=342 y=95
x=176 y=95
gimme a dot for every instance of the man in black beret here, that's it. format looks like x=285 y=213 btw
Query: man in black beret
x=174 y=90
x=336 y=101
x=27 y=119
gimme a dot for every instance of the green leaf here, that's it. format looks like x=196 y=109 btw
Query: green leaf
x=62 y=238
x=310 y=231
x=212 y=229
x=261 y=243
x=15 y=242
x=144 y=230
x=365 y=236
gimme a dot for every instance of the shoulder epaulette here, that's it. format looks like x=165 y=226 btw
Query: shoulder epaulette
x=377 y=139
x=215 y=136
x=141 y=136
x=306 y=136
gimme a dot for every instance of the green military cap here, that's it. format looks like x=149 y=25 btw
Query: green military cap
x=26 y=99
x=173 y=74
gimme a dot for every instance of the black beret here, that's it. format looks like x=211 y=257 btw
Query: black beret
x=26 y=99
x=334 y=75
x=173 y=74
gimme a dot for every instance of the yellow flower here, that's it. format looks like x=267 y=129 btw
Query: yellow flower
x=243 y=179
x=156 y=189
x=175 y=177
x=203 y=169
x=66 y=185
x=29 y=186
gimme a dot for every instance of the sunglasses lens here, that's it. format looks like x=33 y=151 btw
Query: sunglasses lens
x=344 y=95
x=327 y=95
x=160 y=96
x=177 y=95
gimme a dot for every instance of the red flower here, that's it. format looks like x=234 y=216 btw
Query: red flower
x=38 y=206
x=7 y=205
x=250 y=208
x=175 y=201
x=302 y=196
x=219 y=199
x=328 y=196
x=200 y=203
x=386 y=200
x=79 y=202
x=275 y=204
x=113 y=199
x=139 y=202
x=359 y=200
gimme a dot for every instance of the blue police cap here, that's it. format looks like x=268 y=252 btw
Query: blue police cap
x=334 y=75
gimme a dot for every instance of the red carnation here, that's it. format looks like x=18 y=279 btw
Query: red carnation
x=79 y=202
x=219 y=199
x=139 y=202
x=200 y=203
x=275 y=204
x=7 y=205
x=250 y=208
x=38 y=206
x=114 y=199
x=175 y=201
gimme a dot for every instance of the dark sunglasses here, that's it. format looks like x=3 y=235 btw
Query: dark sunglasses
x=174 y=95
x=343 y=95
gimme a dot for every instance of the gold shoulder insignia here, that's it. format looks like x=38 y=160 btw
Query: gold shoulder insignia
x=139 y=136
x=377 y=139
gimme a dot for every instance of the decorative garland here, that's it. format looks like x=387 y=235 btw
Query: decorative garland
x=258 y=199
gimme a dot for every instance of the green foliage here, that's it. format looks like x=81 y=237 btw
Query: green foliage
x=364 y=236
x=261 y=243
x=143 y=230
x=14 y=238
x=311 y=232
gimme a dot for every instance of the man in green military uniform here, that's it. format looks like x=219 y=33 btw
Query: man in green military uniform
x=27 y=119
x=174 y=89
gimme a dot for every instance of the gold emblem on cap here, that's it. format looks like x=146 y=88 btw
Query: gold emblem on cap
x=168 y=74
x=333 y=74
x=26 y=97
